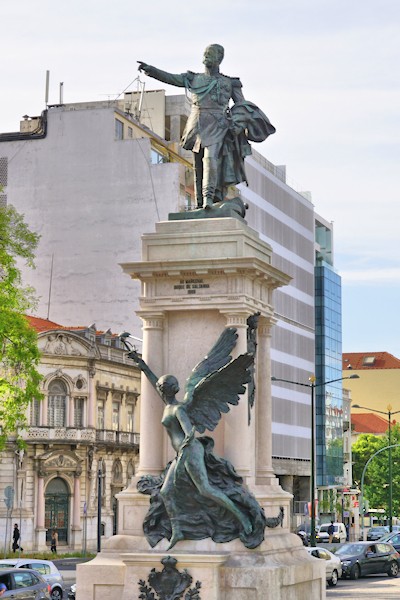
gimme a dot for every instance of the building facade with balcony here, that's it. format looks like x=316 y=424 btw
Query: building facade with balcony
x=85 y=429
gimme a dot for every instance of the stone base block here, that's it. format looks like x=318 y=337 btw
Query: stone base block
x=280 y=569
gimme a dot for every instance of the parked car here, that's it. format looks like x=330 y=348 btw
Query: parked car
x=304 y=529
x=333 y=564
x=24 y=584
x=376 y=532
x=392 y=538
x=46 y=568
x=303 y=536
x=339 y=533
x=364 y=558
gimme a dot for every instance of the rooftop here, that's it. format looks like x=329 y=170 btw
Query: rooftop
x=368 y=423
x=369 y=360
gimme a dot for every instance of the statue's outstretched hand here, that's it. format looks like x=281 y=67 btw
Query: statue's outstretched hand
x=143 y=67
x=134 y=356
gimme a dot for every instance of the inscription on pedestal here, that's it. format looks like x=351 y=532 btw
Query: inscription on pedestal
x=191 y=286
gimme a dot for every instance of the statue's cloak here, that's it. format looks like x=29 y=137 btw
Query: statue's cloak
x=199 y=517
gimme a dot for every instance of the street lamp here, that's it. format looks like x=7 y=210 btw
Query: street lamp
x=389 y=415
x=312 y=385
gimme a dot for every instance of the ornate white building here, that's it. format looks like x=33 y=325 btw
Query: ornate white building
x=84 y=430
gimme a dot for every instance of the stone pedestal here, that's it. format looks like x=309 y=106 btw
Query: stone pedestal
x=197 y=278
x=280 y=569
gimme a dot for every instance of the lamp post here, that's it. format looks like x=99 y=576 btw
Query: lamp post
x=312 y=385
x=389 y=415
x=362 y=480
x=99 y=499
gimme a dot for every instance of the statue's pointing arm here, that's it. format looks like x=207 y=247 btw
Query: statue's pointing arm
x=179 y=80
x=144 y=367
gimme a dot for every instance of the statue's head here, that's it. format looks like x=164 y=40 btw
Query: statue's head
x=168 y=386
x=213 y=55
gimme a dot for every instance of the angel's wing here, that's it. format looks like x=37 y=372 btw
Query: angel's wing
x=218 y=357
x=213 y=394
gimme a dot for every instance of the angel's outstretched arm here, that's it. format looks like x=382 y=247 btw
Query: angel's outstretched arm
x=144 y=367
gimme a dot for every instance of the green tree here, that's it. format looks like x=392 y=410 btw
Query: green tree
x=19 y=354
x=376 y=480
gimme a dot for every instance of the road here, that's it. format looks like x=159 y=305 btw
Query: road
x=378 y=587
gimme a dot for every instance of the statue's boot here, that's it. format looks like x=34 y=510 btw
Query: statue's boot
x=207 y=202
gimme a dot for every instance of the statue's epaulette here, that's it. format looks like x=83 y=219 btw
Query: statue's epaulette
x=235 y=80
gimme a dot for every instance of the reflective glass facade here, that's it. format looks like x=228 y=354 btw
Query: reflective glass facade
x=328 y=358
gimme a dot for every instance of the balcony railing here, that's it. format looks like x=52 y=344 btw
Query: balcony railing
x=117 y=437
x=73 y=434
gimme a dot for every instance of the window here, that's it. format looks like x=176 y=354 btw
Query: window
x=157 y=158
x=130 y=132
x=23 y=580
x=41 y=568
x=369 y=361
x=130 y=418
x=35 y=412
x=119 y=130
x=79 y=405
x=56 y=406
x=115 y=416
x=100 y=414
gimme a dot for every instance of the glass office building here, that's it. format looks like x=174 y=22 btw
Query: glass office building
x=328 y=364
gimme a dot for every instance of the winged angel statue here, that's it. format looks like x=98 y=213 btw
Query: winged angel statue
x=199 y=494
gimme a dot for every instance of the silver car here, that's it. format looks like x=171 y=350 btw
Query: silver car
x=333 y=564
x=46 y=568
x=24 y=584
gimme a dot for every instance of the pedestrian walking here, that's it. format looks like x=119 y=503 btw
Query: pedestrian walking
x=16 y=538
x=331 y=530
x=54 y=541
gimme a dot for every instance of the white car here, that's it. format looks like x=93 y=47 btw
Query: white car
x=46 y=568
x=333 y=564
x=339 y=533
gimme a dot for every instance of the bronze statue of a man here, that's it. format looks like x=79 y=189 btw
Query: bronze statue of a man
x=217 y=134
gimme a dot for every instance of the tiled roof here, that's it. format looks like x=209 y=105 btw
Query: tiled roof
x=369 y=360
x=368 y=423
x=43 y=324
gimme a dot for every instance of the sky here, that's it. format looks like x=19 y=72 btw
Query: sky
x=326 y=72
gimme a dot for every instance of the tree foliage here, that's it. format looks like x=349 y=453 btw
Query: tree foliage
x=376 y=479
x=19 y=354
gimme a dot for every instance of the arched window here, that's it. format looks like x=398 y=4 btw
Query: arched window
x=57 y=403
x=117 y=472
